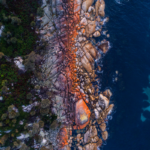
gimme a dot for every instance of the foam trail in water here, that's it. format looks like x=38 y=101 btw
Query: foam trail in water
x=121 y=1
x=118 y=1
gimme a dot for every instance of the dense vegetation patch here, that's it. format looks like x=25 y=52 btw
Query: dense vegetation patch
x=14 y=88
x=18 y=38
x=18 y=19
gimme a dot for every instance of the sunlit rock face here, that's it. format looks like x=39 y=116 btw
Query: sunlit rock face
x=68 y=71
x=86 y=4
x=63 y=138
x=82 y=115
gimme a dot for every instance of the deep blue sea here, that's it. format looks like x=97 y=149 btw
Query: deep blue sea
x=129 y=29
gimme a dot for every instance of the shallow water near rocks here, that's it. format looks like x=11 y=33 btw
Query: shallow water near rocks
x=129 y=29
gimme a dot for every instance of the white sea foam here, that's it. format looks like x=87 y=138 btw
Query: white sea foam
x=118 y=1
x=121 y=1
x=98 y=148
x=109 y=117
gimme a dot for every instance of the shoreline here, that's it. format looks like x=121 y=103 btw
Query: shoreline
x=89 y=109
x=63 y=107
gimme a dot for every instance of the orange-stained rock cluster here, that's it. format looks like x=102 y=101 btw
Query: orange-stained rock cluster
x=63 y=137
x=71 y=70
x=82 y=115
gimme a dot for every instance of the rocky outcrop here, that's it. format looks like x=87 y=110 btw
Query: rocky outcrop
x=68 y=70
x=92 y=132
x=63 y=139
x=82 y=115
x=100 y=7
x=105 y=135
x=102 y=126
x=90 y=146
x=86 y=4
x=104 y=46
x=107 y=93
x=103 y=101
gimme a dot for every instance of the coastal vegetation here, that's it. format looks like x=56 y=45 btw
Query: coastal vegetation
x=18 y=18
x=59 y=80
x=18 y=38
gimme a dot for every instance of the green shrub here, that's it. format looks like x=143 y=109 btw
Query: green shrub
x=15 y=20
x=32 y=24
x=4 y=116
x=18 y=38
x=4 y=82
x=4 y=89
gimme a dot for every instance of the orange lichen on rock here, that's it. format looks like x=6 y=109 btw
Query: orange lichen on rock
x=82 y=115
x=63 y=137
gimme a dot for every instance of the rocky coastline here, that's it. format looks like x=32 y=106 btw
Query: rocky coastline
x=66 y=108
x=69 y=28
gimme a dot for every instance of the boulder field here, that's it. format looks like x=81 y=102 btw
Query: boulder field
x=69 y=27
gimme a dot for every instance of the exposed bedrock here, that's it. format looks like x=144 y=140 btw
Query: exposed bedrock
x=82 y=116
x=100 y=8
x=92 y=132
x=86 y=4
x=68 y=70
x=104 y=46
x=62 y=138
